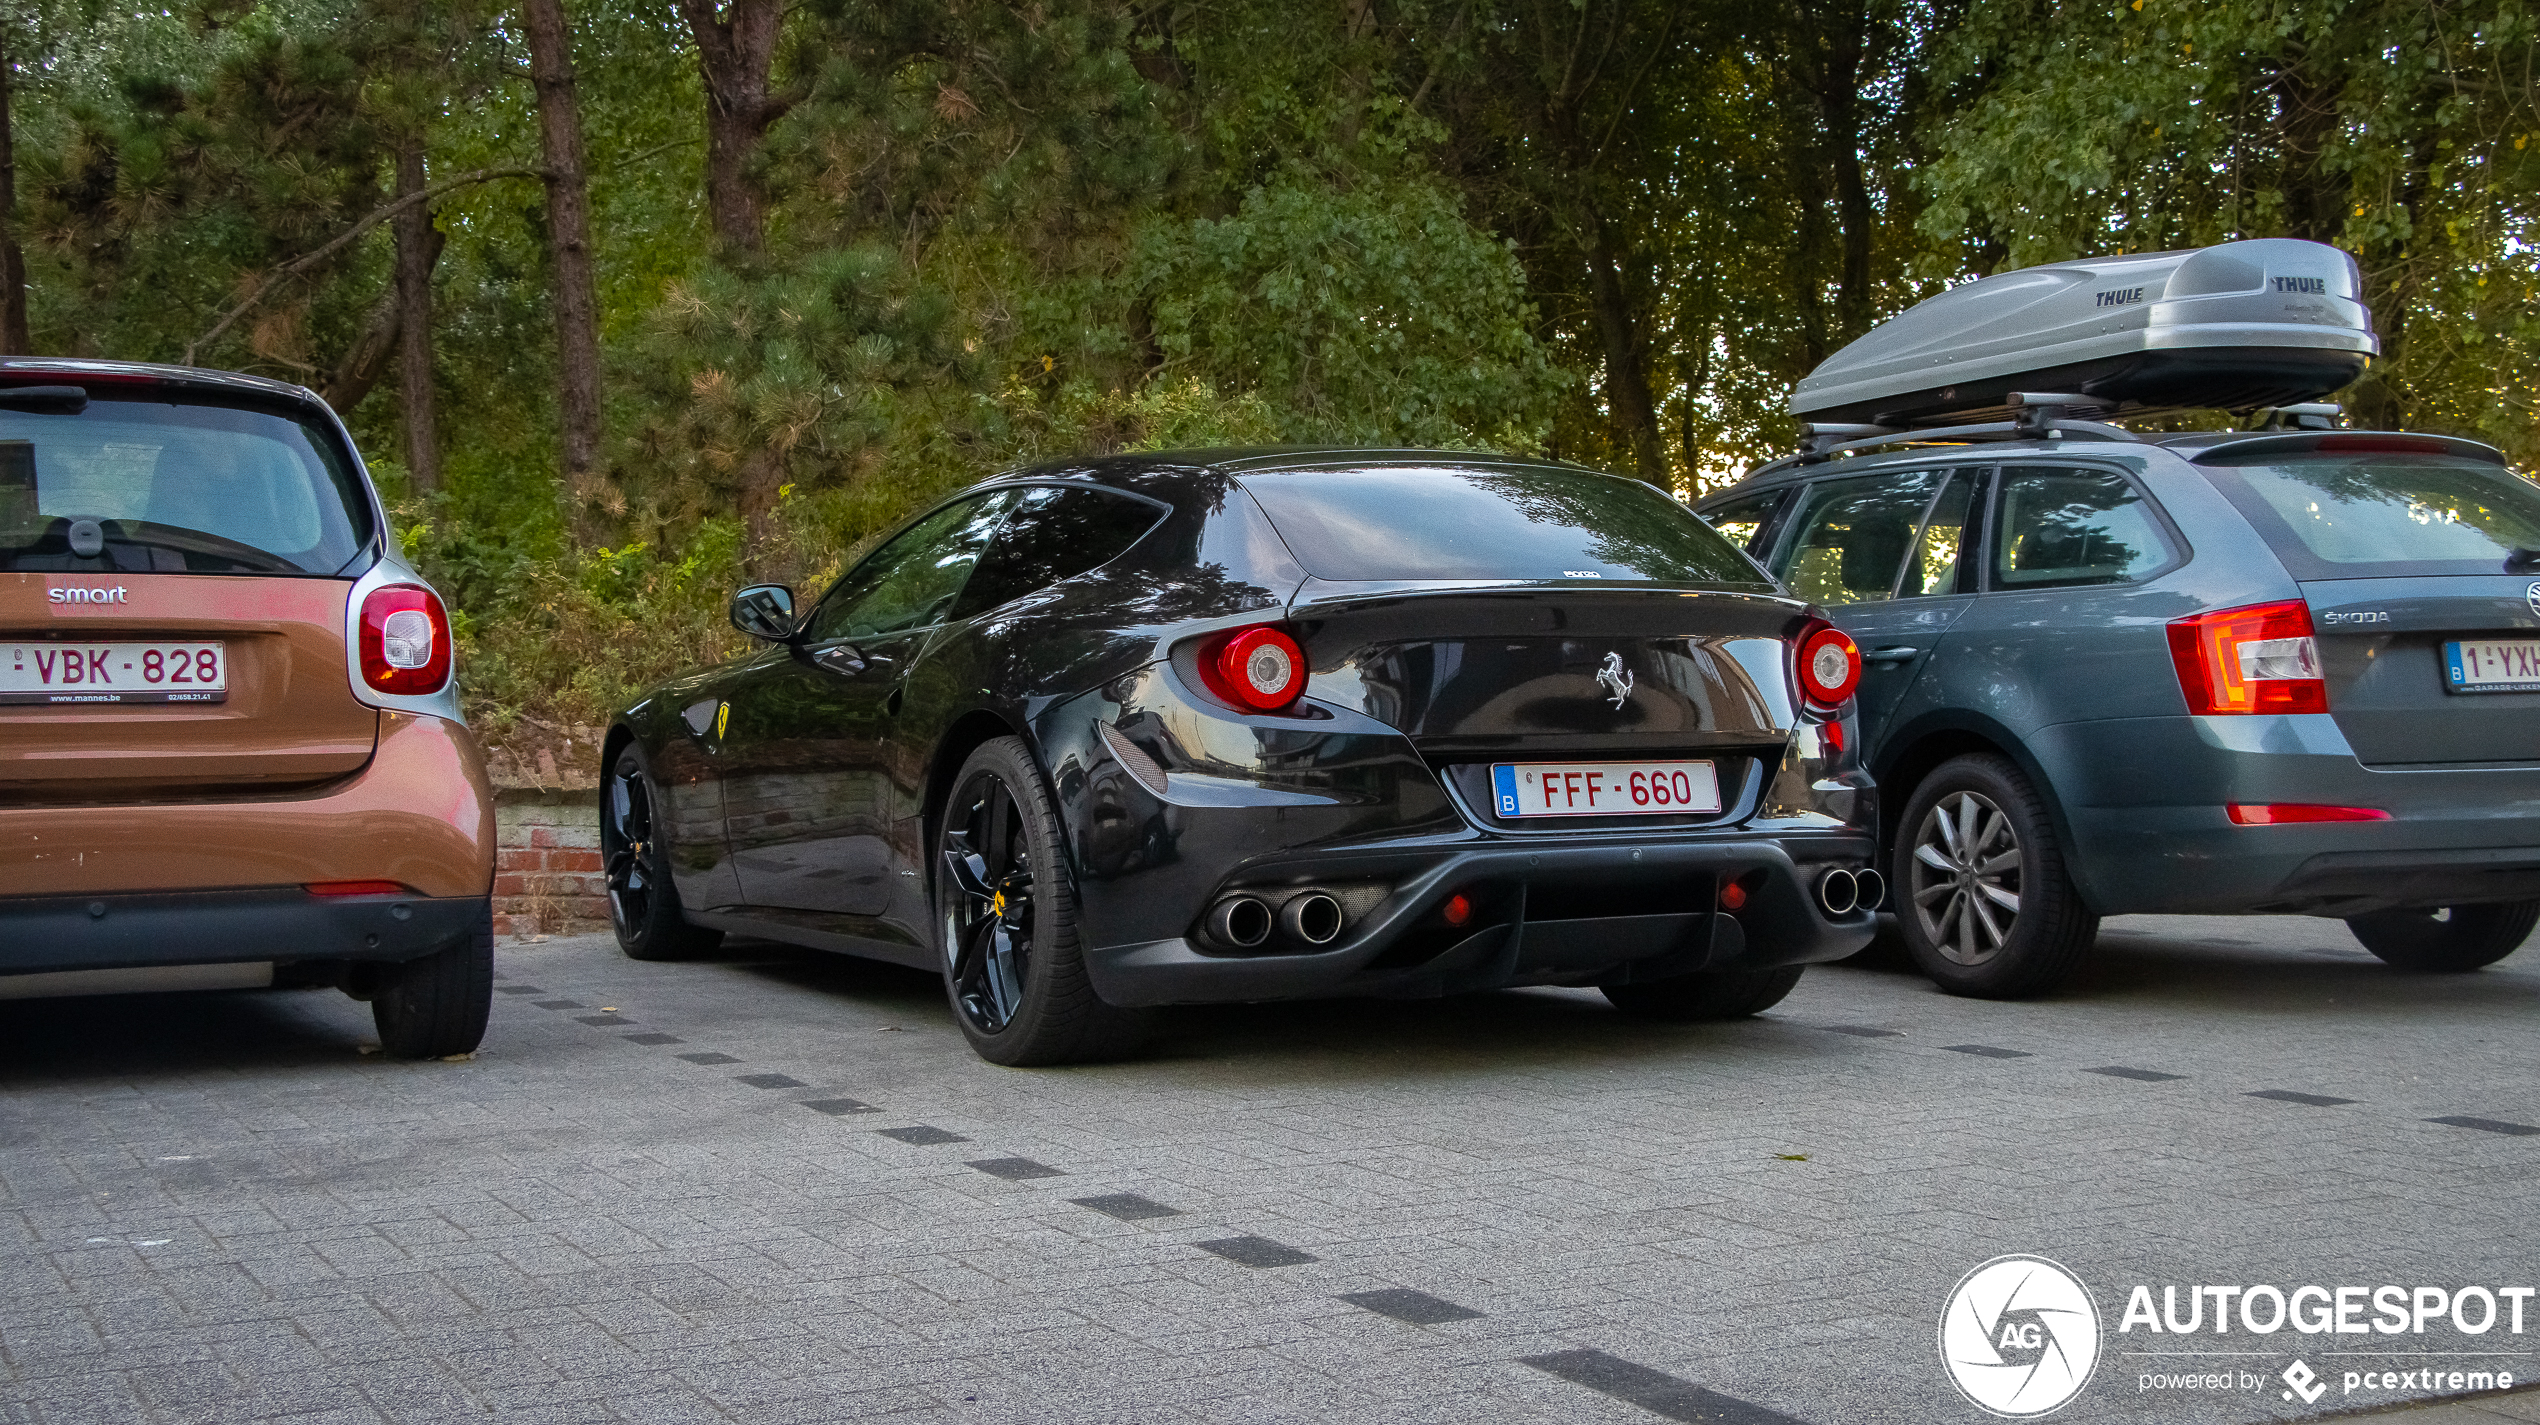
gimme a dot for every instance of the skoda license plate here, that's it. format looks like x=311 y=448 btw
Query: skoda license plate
x=1604 y=788
x=2492 y=665
x=113 y=673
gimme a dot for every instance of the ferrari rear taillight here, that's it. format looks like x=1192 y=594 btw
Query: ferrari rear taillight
x=405 y=640
x=1829 y=665
x=2259 y=659
x=1260 y=668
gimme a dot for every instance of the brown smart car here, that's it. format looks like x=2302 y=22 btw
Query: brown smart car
x=230 y=746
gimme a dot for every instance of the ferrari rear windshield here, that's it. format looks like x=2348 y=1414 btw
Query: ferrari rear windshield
x=1491 y=522
x=174 y=486
x=2383 y=513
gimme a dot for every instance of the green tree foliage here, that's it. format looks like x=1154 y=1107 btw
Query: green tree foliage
x=2404 y=133
x=1609 y=230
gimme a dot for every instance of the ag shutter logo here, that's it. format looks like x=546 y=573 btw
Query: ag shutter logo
x=2019 y=1337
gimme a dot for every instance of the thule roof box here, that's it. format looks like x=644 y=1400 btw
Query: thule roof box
x=2236 y=327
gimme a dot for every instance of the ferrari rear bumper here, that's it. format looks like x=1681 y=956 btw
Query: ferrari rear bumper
x=1446 y=920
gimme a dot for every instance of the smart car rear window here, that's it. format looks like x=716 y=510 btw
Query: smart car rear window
x=2365 y=515
x=174 y=487
x=1523 y=522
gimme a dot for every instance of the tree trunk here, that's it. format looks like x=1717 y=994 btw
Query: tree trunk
x=736 y=56
x=1628 y=406
x=14 y=340
x=569 y=242
x=414 y=320
x=761 y=475
x=1839 y=99
x=367 y=359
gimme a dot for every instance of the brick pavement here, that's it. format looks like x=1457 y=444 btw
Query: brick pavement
x=702 y=1192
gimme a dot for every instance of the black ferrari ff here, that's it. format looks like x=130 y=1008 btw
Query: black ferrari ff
x=1169 y=728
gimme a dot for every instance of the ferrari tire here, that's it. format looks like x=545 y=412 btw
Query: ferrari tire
x=635 y=861
x=1719 y=994
x=1005 y=913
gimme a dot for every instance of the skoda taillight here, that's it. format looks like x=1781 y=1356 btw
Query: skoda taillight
x=405 y=641
x=2259 y=659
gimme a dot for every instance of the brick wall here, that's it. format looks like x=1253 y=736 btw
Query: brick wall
x=547 y=877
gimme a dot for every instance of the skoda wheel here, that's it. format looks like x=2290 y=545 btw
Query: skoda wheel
x=1013 y=968
x=1982 y=897
x=2448 y=940
x=1720 y=994
x=436 y=1006
x=643 y=906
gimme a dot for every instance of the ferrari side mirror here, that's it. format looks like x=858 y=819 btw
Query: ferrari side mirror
x=765 y=611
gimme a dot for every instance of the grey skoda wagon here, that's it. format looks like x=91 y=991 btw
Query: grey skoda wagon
x=2276 y=670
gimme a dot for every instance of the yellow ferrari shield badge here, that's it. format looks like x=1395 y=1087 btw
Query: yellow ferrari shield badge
x=722 y=719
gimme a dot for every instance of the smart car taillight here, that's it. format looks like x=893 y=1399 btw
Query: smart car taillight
x=1829 y=665
x=1260 y=668
x=2259 y=659
x=405 y=640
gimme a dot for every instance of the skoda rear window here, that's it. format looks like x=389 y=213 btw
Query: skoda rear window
x=2380 y=513
x=1433 y=522
x=162 y=486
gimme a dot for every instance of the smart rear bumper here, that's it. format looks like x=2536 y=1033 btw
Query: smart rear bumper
x=282 y=925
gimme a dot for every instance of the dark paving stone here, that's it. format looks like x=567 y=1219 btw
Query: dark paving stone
x=2315 y=1100
x=562 y=1004
x=709 y=1057
x=1654 y=1391
x=835 y=1106
x=2148 y=1076
x=1127 y=1206
x=1015 y=1170
x=653 y=1039
x=923 y=1135
x=1256 y=1251
x=768 y=1081
x=602 y=1021
x=1987 y=1051
x=1417 y=1307
x=2488 y=1125
x=518 y=990
x=1862 y=1031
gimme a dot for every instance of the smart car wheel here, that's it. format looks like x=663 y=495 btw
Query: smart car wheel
x=1723 y=994
x=1983 y=899
x=1012 y=965
x=436 y=1006
x=643 y=906
x=2447 y=940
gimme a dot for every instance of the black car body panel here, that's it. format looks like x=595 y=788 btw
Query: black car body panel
x=800 y=792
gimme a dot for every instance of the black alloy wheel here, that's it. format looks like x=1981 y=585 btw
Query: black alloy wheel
x=1982 y=898
x=643 y=905
x=1012 y=966
x=2447 y=940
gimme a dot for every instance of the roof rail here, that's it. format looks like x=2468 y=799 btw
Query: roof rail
x=2035 y=415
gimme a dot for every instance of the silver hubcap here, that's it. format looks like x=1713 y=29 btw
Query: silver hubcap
x=1966 y=867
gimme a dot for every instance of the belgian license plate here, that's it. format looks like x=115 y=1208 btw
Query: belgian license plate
x=2492 y=665
x=1604 y=788
x=114 y=673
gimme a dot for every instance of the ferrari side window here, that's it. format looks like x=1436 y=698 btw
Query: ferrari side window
x=912 y=581
x=1054 y=533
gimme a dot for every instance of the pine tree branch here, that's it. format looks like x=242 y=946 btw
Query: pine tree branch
x=344 y=239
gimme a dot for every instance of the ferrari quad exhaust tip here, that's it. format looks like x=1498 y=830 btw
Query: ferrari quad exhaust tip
x=1241 y=921
x=1314 y=918
x=1838 y=890
x=1869 y=888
